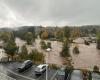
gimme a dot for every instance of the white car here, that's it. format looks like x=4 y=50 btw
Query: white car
x=40 y=69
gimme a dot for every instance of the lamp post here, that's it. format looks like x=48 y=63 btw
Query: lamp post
x=48 y=50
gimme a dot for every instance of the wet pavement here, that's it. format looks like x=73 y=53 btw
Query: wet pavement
x=10 y=69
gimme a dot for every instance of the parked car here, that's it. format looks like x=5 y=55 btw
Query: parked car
x=95 y=76
x=60 y=74
x=76 y=75
x=40 y=69
x=25 y=65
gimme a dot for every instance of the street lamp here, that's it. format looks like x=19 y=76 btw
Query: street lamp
x=48 y=50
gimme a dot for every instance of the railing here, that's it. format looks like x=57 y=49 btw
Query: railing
x=5 y=77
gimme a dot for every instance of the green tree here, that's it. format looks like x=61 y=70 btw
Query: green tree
x=5 y=36
x=11 y=48
x=65 y=49
x=66 y=32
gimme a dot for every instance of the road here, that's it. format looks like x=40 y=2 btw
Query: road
x=10 y=69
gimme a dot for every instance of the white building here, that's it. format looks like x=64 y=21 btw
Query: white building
x=79 y=41
x=3 y=56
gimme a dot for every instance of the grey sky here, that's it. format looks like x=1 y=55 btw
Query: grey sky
x=49 y=12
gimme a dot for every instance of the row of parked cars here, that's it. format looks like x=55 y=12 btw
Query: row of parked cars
x=28 y=63
x=62 y=74
x=67 y=74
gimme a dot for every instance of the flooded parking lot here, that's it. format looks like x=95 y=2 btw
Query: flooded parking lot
x=88 y=57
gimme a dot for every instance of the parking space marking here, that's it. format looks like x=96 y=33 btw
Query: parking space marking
x=20 y=75
x=53 y=75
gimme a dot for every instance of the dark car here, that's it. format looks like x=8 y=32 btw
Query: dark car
x=27 y=64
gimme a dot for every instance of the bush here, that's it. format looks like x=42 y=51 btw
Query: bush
x=96 y=69
x=48 y=44
x=43 y=44
x=36 y=56
x=76 y=50
x=53 y=66
x=98 y=44
x=86 y=42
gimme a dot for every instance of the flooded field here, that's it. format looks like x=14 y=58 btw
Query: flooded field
x=88 y=56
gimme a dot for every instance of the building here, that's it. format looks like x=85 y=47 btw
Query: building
x=3 y=56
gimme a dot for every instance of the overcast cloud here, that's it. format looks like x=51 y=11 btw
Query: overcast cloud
x=49 y=12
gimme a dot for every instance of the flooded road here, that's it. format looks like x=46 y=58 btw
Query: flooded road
x=88 y=57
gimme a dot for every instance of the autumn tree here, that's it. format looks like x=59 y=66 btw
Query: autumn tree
x=29 y=38
x=75 y=33
x=45 y=35
x=59 y=34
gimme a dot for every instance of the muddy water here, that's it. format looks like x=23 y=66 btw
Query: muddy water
x=87 y=58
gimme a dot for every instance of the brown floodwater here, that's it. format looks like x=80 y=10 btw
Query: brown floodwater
x=88 y=57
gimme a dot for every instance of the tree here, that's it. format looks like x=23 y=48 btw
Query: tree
x=96 y=69
x=32 y=30
x=45 y=35
x=66 y=32
x=36 y=56
x=49 y=45
x=65 y=49
x=59 y=34
x=98 y=41
x=43 y=44
x=10 y=48
x=29 y=38
x=75 y=33
x=24 y=52
x=5 y=36
x=76 y=49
